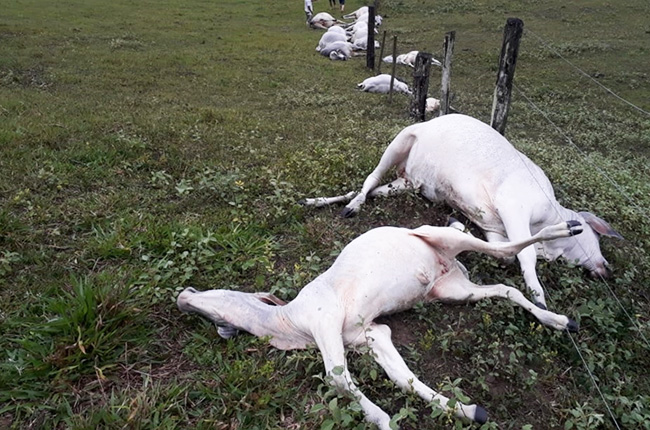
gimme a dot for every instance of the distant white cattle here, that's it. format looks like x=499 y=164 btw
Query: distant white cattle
x=337 y=50
x=408 y=59
x=357 y=13
x=381 y=84
x=359 y=40
x=330 y=37
x=433 y=105
x=323 y=20
x=336 y=29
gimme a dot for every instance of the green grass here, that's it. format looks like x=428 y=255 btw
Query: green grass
x=147 y=147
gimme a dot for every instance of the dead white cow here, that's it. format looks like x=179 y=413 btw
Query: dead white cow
x=330 y=37
x=363 y=10
x=323 y=21
x=381 y=84
x=408 y=59
x=469 y=165
x=337 y=50
x=432 y=105
x=383 y=271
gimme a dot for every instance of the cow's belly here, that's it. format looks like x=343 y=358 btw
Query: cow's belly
x=467 y=195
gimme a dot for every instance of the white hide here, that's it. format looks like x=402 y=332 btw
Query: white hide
x=336 y=29
x=362 y=44
x=469 y=165
x=330 y=37
x=323 y=20
x=359 y=40
x=383 y=271
x=408 y=59
x=381 y=84
x=357 y=13
x=359 y=26
x=359 y=34
x=337 y=50
x=433 y=105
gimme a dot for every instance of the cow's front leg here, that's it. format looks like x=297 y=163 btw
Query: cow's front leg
x=330 y=344
x=378 y=338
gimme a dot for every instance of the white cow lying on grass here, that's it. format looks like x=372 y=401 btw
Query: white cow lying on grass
x=384 y=271
x=469 y=165
x=381 y=84
x=363 y=10
x=337 y=50
x=433 y=105
x=363 y=17
x=408 y=59
x=330 y=37
x=323 y=21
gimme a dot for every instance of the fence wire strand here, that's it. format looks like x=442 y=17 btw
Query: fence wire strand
x=582 y=72
x=596 y=167
x=601 y=171
x=584 y=362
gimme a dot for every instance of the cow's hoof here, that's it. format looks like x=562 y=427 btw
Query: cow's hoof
x=572 y=326
x=481 y=415
x=541 y=306
x=575 y=227
x=348 y=212
x=451 y=220
x=302 y=202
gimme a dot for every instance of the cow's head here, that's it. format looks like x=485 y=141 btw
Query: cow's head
x=230 y=311
x=584 y=249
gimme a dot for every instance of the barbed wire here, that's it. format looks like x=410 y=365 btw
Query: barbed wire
x=602 y=172
x=554 y=51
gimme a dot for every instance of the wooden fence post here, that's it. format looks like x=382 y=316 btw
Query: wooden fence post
x=370 y=49
x=392 y=74
x=507 y=62
x=448 y=47
x=381 y=53
x=420 y=85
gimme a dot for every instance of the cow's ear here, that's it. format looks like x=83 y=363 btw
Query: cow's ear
x=270 y=299
x=599 y=225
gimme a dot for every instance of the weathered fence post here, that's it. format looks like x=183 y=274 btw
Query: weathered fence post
x=381 y=53
x=370 y=49
x=392 y=74
x=448 y=47
x=420 y=85
x=507 y=62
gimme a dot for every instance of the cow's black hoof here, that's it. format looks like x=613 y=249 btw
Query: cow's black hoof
x=575 y=227
x=348 y=212
x=481 y=415
x=572 y=326
x=302 y=202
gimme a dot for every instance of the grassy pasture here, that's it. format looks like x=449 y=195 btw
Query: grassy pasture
x=147 y=147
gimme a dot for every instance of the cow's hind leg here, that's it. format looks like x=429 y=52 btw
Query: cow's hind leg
x=378 y=339
x=326 y=201
x=398 y=186
x=458 y=289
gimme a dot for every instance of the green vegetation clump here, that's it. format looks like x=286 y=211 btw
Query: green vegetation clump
x=150 y=146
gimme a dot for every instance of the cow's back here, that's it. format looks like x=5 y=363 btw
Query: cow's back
x=465 y=162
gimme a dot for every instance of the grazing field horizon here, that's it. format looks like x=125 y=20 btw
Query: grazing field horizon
x=149 y=147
